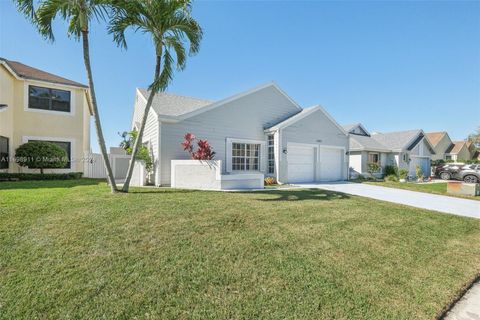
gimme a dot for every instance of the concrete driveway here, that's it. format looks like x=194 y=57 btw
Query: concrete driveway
x=457 y=206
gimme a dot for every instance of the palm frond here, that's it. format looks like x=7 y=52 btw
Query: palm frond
x=27 y=8
x=170 y=25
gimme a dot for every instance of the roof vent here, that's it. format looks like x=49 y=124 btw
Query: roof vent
x=3 y=106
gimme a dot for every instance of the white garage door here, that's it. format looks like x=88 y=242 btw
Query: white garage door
x=301 y=163
x=331 y=162
x=424 y=163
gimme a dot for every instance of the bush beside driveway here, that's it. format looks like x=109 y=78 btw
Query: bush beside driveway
x=70 y=249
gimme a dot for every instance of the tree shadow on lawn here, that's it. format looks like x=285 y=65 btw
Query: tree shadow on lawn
x=161 y=190
x=302 y=194
x=43 y=184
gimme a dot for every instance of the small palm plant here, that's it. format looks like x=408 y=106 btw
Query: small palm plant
x=78 y=14
x=171 y=27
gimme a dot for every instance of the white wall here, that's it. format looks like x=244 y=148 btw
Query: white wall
x=244 y=118
x=316 y=129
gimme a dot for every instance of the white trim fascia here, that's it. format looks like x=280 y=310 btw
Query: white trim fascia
x=361 y=127
x=424 y=138
x=306 y=112
x=415 y=156
x=49 y=85
x=214 y=105
x=236 y=97
x=73 y=159
x=228 y=153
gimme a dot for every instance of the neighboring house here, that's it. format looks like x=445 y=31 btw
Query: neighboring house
x=404 y=149
x=37 y=105
x=261 y=130
x=458 y=151
x=441 y=143
x=472 y=149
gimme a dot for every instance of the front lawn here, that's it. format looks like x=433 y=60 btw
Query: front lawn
x=436 y=188
x=70 y=249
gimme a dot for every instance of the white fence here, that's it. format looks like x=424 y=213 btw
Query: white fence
x=94 y=167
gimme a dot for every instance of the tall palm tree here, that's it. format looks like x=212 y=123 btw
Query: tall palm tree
x=78 y=14
x=171 y=27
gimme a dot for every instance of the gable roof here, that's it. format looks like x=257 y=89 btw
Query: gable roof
x=397 y=141
x=350 y=128
x=456 y=147
x=435 y=137
x=165 y=104
x=171 y=105
x=302 y=114
x=22 y=71
x=367 y=143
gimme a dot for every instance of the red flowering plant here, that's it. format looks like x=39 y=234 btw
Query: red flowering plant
x=204 y=150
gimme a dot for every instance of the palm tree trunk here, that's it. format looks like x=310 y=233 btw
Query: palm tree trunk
x=98 y=125
x=138 y=141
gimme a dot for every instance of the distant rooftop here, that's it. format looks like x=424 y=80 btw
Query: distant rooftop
x=435 y=137
x=31 y=73
x=456 y=147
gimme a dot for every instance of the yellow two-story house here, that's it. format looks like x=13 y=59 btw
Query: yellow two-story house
x=37 y=105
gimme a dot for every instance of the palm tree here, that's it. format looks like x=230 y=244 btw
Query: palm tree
x=78 y=13
x=171 y=27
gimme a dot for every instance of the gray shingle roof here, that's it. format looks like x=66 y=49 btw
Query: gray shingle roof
x=358 y=142
x=396 y=140
x=168 y=104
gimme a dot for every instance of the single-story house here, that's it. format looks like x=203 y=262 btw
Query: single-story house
x=458 y=151
x=441 y=143
x=403 y=149
x=261 y=130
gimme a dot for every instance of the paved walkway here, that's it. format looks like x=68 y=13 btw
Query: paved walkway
x=468 y=308
x=457 y=206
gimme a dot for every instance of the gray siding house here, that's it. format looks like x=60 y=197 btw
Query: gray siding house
x=261 y=130
x=402 y=149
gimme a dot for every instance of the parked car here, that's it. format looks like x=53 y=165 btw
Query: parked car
x=468 y=173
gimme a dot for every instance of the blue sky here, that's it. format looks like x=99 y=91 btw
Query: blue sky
x=390 y=65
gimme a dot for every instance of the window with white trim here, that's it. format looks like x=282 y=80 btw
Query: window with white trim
x=245 y=157
x=271 y=154
x=48 y=99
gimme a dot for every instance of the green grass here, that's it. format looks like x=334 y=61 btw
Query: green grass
x=70 y=250
x=436 y=188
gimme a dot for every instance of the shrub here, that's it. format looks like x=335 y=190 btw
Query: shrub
x=268 y=181
x=391 y=178
x=143 y=152
x=391 y=170
x=373 y=167
x=403 y=173
x=204 y=150
x=41 y=155
x=418 y=172
x=37 y=176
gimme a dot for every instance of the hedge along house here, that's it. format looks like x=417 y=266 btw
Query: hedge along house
x=261 y=130
x=402 y=149
x=37 y=105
